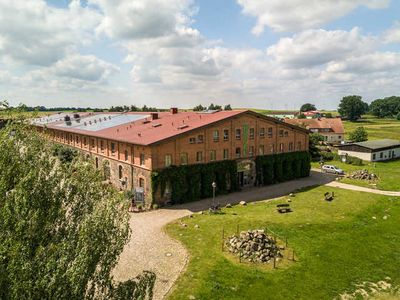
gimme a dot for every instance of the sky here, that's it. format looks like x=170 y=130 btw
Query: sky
x=275 y=54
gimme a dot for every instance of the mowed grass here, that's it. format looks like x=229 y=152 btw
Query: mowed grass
x=377 y=128
x=388 y=174
x=338 y=244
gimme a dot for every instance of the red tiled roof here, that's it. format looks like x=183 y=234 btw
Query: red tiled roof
x=335 y=124
x=166 y=126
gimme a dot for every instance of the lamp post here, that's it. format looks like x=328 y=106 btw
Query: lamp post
x=214 y=185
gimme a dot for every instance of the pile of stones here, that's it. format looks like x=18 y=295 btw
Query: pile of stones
x=363 y=175
x=254 y=246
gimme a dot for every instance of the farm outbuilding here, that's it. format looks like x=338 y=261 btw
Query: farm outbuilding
x=378 y=150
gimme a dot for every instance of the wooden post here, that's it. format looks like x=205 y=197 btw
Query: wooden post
x=223 y=239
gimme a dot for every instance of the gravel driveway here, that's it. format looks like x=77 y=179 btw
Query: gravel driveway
x=150 y=248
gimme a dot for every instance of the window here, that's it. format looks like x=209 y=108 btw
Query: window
x=120 y=171
x=200 y=139
x=126 y=154
x=92 y=143
x=251 y=151
x=199 y=156
x=381 y=155
x=102 y=145
x=142 y=159
x=261 y=150
x=272 y=148
x=286 y=134
x=226 y=134
x=281 y=133
x=84 y=141
x=168 y=160
x=339 y=137
x=213 y=155
x=281 y=147
x=77 y=139
x=298 y=145
x=184 y=158
x=238 y=152
x=290 y=146
x=97 y=162
x=112 y=148
x=141 y=182
x=374 y=156
x=262 y=132
x=216 y=136
x=238 y=134
x=270 y=132
x=251 y=133
x=226 y=153
x=192 y=140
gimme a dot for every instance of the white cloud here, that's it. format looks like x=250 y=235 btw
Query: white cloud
x=33 y=33
x=317 y=47
x=294 y=15
x=392 y=35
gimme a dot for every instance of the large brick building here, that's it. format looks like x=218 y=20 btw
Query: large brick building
x=128 y=147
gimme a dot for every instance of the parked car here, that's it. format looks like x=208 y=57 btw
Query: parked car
x=332 y=169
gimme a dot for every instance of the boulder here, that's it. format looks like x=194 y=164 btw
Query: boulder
x=243 y=203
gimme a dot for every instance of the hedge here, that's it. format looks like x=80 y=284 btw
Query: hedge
x=282 y=167
x=193 y=182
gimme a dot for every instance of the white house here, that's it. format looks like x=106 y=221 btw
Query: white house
x=378 y=150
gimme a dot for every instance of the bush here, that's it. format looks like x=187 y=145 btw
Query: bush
x=351 y=160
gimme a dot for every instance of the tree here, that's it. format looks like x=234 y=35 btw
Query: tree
x=328 y=115
x=199 y=108
x=315 y=139
x=352 y=107
x=61 y=228
x=214 y=107
x=358 y=135
x=228 y=107
x=301 y=116
x=387 y=107
x=307 y=107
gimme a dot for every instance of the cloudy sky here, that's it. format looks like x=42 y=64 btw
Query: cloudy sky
x=274 y=54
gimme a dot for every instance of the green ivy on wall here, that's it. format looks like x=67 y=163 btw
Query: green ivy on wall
x=282 y=167
x=193 y=182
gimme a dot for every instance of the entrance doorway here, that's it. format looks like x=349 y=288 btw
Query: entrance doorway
x=246 y=174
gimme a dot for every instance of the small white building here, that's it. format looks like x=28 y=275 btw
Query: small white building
x=378 y=150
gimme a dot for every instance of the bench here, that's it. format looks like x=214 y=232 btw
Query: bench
x=283 y=208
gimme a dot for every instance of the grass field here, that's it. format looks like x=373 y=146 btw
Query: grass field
x=388 y=173
x=338 y=244
x=376 y=128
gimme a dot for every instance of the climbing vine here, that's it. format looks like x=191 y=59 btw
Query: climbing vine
x=282 y=167
x=193 y=182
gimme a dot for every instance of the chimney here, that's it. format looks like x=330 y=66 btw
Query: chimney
x=174 y=110
x=154 y=116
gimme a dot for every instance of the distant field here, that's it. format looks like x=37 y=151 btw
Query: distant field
x=376 y=128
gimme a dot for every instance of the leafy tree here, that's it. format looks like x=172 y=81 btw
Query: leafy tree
x=307 y=107
x=352 y=107
x=385 y=108
x=134 y=108
x=214 y=107
x=199 y=108
x=358 y=135
x=228 y=107
x=314 y=141
x=328 y=115
x=301 y=116
x=61 y=228
x=398 y=116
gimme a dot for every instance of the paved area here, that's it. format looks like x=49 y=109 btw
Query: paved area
x=150 y=248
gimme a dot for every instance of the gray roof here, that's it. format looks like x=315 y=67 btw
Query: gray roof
x=379 y=144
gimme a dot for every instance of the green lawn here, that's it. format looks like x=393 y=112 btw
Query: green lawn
x=388 y=173
x=338 y=244
x=376 y=128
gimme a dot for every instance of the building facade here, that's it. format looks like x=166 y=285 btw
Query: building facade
x=331 y=129
x=130 y=147
x=379 y=150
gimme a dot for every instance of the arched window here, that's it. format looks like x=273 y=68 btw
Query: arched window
x=126 y=154
x=97 y=162
x=120 y=169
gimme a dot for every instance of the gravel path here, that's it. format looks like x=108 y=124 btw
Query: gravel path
x=150 y=248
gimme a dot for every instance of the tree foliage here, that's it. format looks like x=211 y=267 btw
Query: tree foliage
x=352 y=107
x=199 y=108
x=227 y=107
x=388 y=107
x=358 y=135
x=307 y=107
x=314 y=141
x=61 y=228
